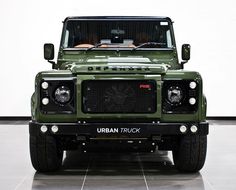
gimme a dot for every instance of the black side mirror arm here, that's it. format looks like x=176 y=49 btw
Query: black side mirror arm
x=182 y=64
x=53 y=64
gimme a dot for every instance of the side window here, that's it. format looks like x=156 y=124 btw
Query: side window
x=169 y=42
x=66 y=39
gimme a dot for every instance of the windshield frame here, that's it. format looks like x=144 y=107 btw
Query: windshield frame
x=115 y=18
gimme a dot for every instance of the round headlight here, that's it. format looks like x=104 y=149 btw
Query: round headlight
x=62 y=94
x=175 y=95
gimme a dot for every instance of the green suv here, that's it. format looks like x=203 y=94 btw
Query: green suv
x=118 y=83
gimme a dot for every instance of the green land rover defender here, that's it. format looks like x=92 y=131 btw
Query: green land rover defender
x=118 y=82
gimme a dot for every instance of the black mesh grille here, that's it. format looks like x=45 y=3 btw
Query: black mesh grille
x=119 y=96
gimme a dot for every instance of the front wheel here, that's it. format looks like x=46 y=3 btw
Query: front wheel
x=45 y=153
x=190 y=153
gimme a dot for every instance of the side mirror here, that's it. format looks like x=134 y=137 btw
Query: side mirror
x=49 y=53
x=186 y=52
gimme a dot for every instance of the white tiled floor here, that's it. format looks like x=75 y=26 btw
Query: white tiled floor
x=118 y=171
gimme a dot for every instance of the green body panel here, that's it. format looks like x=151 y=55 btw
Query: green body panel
x=168 y=57
x=158 y=65
x=200 y=115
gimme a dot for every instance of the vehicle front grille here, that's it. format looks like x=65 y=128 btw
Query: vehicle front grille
x=119 y=96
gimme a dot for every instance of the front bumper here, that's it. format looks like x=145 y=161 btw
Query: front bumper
x=118 y=130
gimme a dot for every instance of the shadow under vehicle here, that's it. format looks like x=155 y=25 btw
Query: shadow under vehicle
x=117 y=171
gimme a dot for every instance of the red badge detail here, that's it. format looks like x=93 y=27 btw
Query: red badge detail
x=144 y=86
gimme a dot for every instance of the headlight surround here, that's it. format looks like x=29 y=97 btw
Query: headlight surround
x=62 y=94
x=175 y=95
x=180 y=96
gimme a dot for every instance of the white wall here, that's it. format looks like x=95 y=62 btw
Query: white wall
x=209 y=26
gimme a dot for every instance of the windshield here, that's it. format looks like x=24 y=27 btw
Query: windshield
x=117 y=34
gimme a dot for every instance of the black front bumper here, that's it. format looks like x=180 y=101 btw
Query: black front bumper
x=118 y=130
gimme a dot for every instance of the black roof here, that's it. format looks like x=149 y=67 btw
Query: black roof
x=118 y=18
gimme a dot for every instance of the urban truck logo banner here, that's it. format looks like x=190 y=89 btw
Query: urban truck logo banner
x=119 y=130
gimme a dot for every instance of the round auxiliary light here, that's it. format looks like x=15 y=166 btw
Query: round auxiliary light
x=183 y=129
x=43 y=128
x=192 y=101
x=44 y=85
x=192 y=85
x=45 y=101
x=193 y=128
x=62 y=94
x=174 y=95
x=54 y=128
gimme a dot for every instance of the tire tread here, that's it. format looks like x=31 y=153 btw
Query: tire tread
x=45 y=154
x=191 y=153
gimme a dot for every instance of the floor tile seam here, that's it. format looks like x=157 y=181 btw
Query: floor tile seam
x=142 y=170
x=85 y=175
x=58 y=179
x=170 y=179
x=115 y=179
x=21 y=182
x=205 y=179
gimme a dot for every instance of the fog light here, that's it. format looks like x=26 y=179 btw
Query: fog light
x=44 y=128
x=192 y=85
x=45 y=101
x=183 y=129
x=193 y=128
x=54 y=128
x=192 y=101
x=44 y=85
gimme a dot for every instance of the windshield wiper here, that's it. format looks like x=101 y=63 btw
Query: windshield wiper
x=96 y=46
x=149 y=44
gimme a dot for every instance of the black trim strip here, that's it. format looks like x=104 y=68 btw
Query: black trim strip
x=14 y=118
x=221 y=118
x=143 y=130
x=23 y=118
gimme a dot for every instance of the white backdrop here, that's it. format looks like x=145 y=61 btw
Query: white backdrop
x=209 y=26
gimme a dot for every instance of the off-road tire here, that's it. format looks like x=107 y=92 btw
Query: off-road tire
x=46 y=155
x=190 y=153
